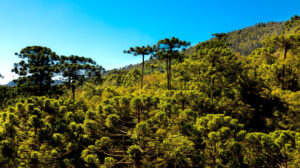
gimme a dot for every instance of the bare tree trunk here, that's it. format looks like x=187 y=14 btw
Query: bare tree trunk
x=167 y=68
x=142 y=82
x=283 y=68
x=73 y=92
x=137 y=163
x=170 y=67
x=170 y=74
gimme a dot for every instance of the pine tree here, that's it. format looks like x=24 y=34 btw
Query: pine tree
x=140 y=51
x=286 y=43
x=36 y=70
x=168 y=49
x=75 y=70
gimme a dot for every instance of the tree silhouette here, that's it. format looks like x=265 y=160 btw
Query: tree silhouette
x=75 y=69
x=95 y=74
x=36 y=70
x=168 y=49
x=285 y=43
x=141 y=51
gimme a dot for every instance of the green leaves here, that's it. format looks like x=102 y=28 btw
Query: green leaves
x=177 y=150
x=36 y=70
x=39 y=65
x=76 y=70
x=211 y=118
x=112 y=120
x=222 y=137
x=140 y=50
x=134 y=152
x=168 y=49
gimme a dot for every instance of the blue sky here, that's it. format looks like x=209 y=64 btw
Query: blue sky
x=101 y=29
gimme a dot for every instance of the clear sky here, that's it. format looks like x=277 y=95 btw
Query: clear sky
x=102 y=29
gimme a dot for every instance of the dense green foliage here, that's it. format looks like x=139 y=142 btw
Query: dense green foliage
x=141 y=51
x=245 y=40
x=168 y=50
x=36 y=70
x=75 y=70
x=248 y=39
x=222 y=109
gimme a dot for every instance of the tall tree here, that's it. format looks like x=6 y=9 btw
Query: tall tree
x=285 y=43
x=76 y=69
x=36 y=70
x=218 y=65
x=141 y=51
x=168 y=49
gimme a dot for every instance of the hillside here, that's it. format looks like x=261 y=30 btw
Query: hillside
x=243 y=41
x=213 y=108
x=246 y=40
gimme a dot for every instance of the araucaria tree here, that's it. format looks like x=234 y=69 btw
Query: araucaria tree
x=168 y=49
x=141 y=51
x=286 y=43
x=75 y=69
x=36 y=70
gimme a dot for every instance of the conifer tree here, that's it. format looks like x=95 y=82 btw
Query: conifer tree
x=75 y=69
x=140 y=51
x=168 y=49
x=36 y=70
x=96 y=73
x=285 y=43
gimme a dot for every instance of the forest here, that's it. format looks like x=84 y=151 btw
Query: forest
x=232 y=101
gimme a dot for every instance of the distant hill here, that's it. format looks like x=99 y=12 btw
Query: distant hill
x=246 y=40
x=243 y=41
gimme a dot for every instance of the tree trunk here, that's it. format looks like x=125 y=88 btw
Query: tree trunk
x=170 y=67
x=69 y=81
x=73 y=92
x=137 y=163
x=212 y=94
x=143 y=72
x=139 y=116
x=167 y=68
x=283 y=68
x=170 y=75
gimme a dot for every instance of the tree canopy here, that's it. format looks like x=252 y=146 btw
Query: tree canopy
x=223 y=109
